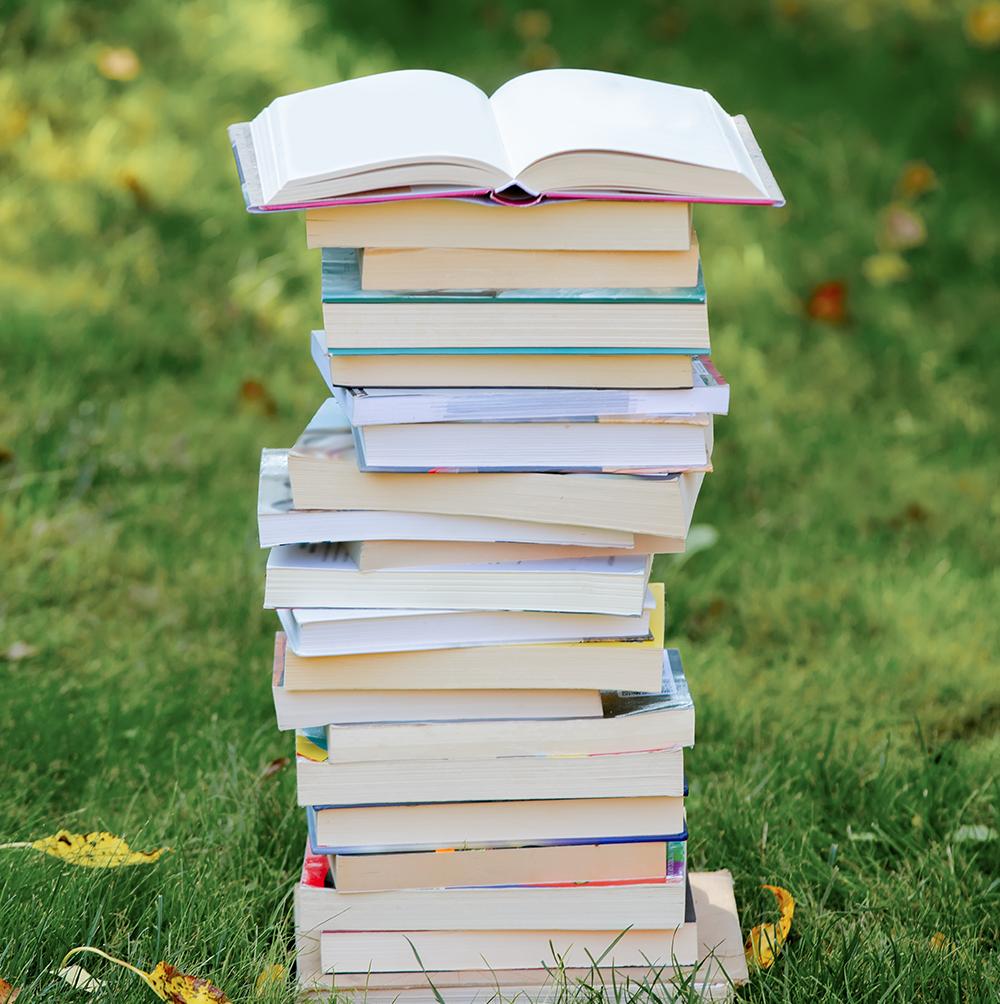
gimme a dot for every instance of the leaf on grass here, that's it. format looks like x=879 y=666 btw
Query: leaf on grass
x=915 y=178
x=982 y=24
x=119 y=64
x=20 y=650
x=90 y=850
x=900 y=228
x=8 y=994
x=766 y=940
x=275 y=766
x=828 y=302
x=78 y=977
x=166 y=981
x=268 y=978
x=885 y=267
x=978 y=833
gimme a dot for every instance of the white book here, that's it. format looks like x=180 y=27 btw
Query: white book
x=667 y=444
x=559 y=131
x=397 y=405
x=328 y=631
x=324 y=575
x=646 y=774
x=355 y=829
x=308 y=709
x=279 y=522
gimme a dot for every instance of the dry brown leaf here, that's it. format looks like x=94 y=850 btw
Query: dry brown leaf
x=766 y=940
x=8 y=994
x=166 y=981
x=90 y=850
x=275 y=766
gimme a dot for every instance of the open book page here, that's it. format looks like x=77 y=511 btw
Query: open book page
x=403 y=118
x=553 y=112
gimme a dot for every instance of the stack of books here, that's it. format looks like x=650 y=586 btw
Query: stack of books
x=490 y=731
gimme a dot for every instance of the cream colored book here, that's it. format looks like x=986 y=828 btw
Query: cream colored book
x=323 y=575
x=572 y=225
x=573 y=864
x=323 y=470
x=630 y=722
x=369 y=555
x=654 y=372
x=648 y=774
x=720 y=968
x=486 y=268
x=514 y=823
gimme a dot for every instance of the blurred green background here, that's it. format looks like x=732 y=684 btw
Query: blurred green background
x=841 y=637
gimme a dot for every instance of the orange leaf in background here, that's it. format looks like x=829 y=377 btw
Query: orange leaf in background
x=119 y=64
x=166 y=981
x=766 y=940
x=90 y=850
x=8 y=994
x=828 y=302
x=254 y=394
x=982 y=24
x=275 y=766
x=900 y=228
x=915 y=178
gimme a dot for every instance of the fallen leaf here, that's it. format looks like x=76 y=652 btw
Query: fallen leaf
x=20 y=650
x=884 y=268
x=766 y=940
x=900 y=228
x=915 y=178
x=276 y=765
x=828 y=302
x=8 y=994
x=90 y=850
x=982 y=24
x=79 y=978
x=270 y=976
x=166 y=981
x=119 y=64
x=977 y=832
x=254 y=394
x=532 y=25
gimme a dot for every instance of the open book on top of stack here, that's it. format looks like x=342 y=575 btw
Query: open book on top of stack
x=490 y=728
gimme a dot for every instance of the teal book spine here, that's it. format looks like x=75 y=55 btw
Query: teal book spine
x=341 y=283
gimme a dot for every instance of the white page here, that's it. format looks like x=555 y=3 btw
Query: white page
x=387 y=119
x=558 y=111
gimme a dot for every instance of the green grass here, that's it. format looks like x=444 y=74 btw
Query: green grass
x=841 y=638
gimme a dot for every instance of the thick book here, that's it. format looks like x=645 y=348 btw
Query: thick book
x=354 y=829
x=347 y=631
x=483 y=224
x=323 y=575
x=630 y=722
x=452 y=868
x=711 y=911
x=365 y=406
x=565 y=131
x=488 y=268
x=584 y=321
x=668 y=444
x=279 y=522
x=642 y=774
x=323 y=469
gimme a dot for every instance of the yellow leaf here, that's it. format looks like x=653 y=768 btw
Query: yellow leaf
x=78 y=977
x=885 y=267
x=765 y=940
x=166 y=981
x=90 y=850
x=982 y=24
x=270 y=976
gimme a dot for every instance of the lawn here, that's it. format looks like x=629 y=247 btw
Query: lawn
x=840 y=638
